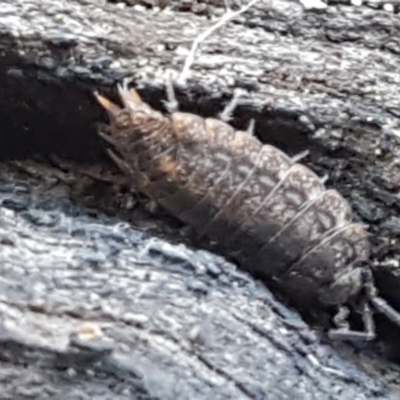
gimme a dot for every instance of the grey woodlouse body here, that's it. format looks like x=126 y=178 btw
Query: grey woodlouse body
x=275 y=214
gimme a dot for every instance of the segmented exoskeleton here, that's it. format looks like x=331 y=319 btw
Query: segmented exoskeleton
x=273 y=214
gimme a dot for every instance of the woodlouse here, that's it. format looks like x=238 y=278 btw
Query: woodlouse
x=273 y=214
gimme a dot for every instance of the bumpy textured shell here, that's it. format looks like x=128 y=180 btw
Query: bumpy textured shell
x=274 y=215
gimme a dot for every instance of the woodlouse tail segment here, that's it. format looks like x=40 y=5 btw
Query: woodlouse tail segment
x=111 y=108
x=130 y=97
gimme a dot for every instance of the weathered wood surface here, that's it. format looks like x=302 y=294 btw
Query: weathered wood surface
x=184 y=324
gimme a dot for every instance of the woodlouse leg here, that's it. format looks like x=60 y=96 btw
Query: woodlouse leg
x=107 y=138
x=383 y=307
x=121 y=164
x=300 y=156
x=172 y=103
x=345 y=333
x=340 y=320
x=379 y=304
x=226 y=114
x=137 y=178
x=94 y=172
x=250 y=128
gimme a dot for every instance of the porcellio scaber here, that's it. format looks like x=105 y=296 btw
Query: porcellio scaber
x=261 y=206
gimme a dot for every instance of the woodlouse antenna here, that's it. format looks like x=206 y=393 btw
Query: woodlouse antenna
x=204 y=35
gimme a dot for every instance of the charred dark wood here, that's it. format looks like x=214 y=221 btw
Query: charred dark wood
x=177 y=321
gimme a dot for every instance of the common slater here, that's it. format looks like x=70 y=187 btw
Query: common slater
x=272 y=213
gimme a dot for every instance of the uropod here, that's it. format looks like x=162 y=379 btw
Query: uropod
x=269 y=211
